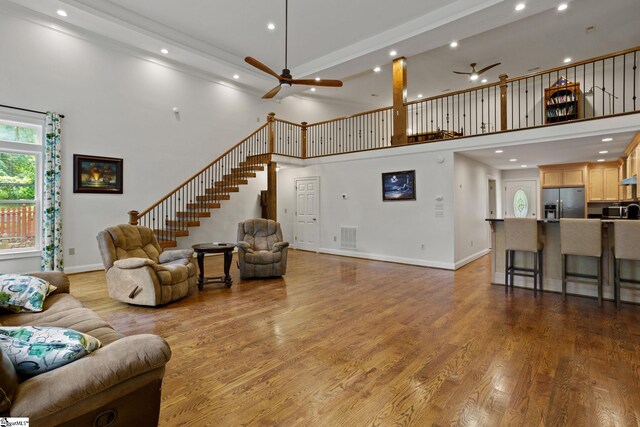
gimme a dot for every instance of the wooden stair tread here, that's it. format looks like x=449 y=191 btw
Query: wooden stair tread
x=167 y=243
x=167 y=232
x=248 y=168
x=231 y=182
x=213 y=197
x=203 y=205
x=194 y=214
x=222 y=190
x=183 y=223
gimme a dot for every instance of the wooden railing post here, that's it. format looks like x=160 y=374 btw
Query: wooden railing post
x=503 y=101
x=271 y=118
x=399 y=99
x=303 y=148
x=272 y=194
x=133 y=217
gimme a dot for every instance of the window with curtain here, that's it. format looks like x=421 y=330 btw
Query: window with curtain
x=20 y=185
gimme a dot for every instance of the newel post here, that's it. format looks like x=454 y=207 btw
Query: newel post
x=133 y=217
x=303 y=148
x=271 y=118
x=399 y=100
x=503 y=101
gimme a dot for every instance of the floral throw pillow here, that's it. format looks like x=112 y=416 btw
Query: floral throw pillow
x=23 y=293
x=37 y=349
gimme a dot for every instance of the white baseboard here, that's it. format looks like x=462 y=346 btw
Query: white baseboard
x=471 y=258
x=83 y=268
x=389 y=258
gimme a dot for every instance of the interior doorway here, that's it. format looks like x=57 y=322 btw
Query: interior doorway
x=307 y=224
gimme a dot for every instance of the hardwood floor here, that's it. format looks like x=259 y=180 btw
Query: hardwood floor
x=349 y=342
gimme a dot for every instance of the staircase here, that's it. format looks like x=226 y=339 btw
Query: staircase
x=173 y=215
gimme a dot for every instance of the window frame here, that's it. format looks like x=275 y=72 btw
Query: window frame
x=37 y=150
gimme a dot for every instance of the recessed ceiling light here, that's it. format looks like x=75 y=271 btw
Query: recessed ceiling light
x=236 y=76
x=376 y=69
x=313 y=89
x=607 y=139
x=271 y=26
x=62 y=13
x=523 y=166
x=601 y=160
x=317 y=79
x=603 y=152
x=454 y=44
x=520 y=6
x=393 y=53
x=483 y=80
x=499 y=151
x=567 y=60
x=562 y=6
x=419 y=95
x=164 y=50
x=513 y=160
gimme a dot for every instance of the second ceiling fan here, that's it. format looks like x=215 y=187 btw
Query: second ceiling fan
x=473 y=75
x=285 y=78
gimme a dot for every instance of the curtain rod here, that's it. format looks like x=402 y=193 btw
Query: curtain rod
x=27 y=110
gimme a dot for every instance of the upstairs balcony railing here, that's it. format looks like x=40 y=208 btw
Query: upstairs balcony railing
x=605 y=86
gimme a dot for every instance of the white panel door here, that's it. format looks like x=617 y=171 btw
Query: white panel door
x=520 y=199
x=307 y=225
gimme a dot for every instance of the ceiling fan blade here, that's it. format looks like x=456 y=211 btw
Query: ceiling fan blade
x=488 y=68
x=273 y=92
x=260 y=66
x=330 y=83
x=461 y=72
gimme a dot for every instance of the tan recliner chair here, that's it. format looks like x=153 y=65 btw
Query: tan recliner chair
x=139 y=271
x=261 y=251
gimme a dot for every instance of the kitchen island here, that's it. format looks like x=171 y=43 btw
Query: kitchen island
x=549 y=234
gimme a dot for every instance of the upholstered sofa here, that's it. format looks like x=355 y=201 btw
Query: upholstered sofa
x=139 y=271
x=119 y=382
x=261 y=251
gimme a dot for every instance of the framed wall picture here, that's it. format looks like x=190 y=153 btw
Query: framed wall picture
x=94 y=174
x=399 y=185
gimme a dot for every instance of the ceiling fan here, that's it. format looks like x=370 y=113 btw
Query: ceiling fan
x=473 y=75
x=285 y=78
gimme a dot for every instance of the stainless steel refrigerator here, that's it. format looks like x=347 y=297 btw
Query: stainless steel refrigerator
x=563 y=202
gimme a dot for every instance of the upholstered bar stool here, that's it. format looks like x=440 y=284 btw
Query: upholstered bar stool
x=581 y=237
x=521 y=234
x=626 y=247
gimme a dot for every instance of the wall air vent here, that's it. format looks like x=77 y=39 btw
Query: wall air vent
x=348 y=237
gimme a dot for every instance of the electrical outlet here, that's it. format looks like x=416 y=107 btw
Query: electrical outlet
x=335 y=238
x=285 y=210
x=472 y=243
x=72 y=251
x=422 y=246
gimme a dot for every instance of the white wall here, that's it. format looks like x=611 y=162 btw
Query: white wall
x=118 y=105
x=472 y=237
x=392 y=231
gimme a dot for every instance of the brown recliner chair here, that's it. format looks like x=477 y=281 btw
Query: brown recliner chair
x=261 y=251
x=139 y=271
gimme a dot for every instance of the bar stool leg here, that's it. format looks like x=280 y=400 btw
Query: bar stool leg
x=535 y=274
x=600 y=281
x=564 y=277
x=512 y=272
x=506 y=271
x=540 y=266
x=616 y=275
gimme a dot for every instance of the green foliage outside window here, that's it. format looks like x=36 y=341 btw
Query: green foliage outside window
x=17 y=176
x=14 y=133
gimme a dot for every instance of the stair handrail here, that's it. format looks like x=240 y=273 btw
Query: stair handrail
x=135 y=215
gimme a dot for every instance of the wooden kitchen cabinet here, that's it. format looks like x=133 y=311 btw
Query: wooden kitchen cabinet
x=567 y=175
x=604 y=182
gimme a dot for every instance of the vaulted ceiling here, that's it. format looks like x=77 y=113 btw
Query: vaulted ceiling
x=347 y=39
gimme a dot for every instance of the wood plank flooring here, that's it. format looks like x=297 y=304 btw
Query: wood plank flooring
x=349 y=342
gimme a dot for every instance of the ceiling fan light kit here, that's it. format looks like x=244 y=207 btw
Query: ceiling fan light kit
x=286 y=78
